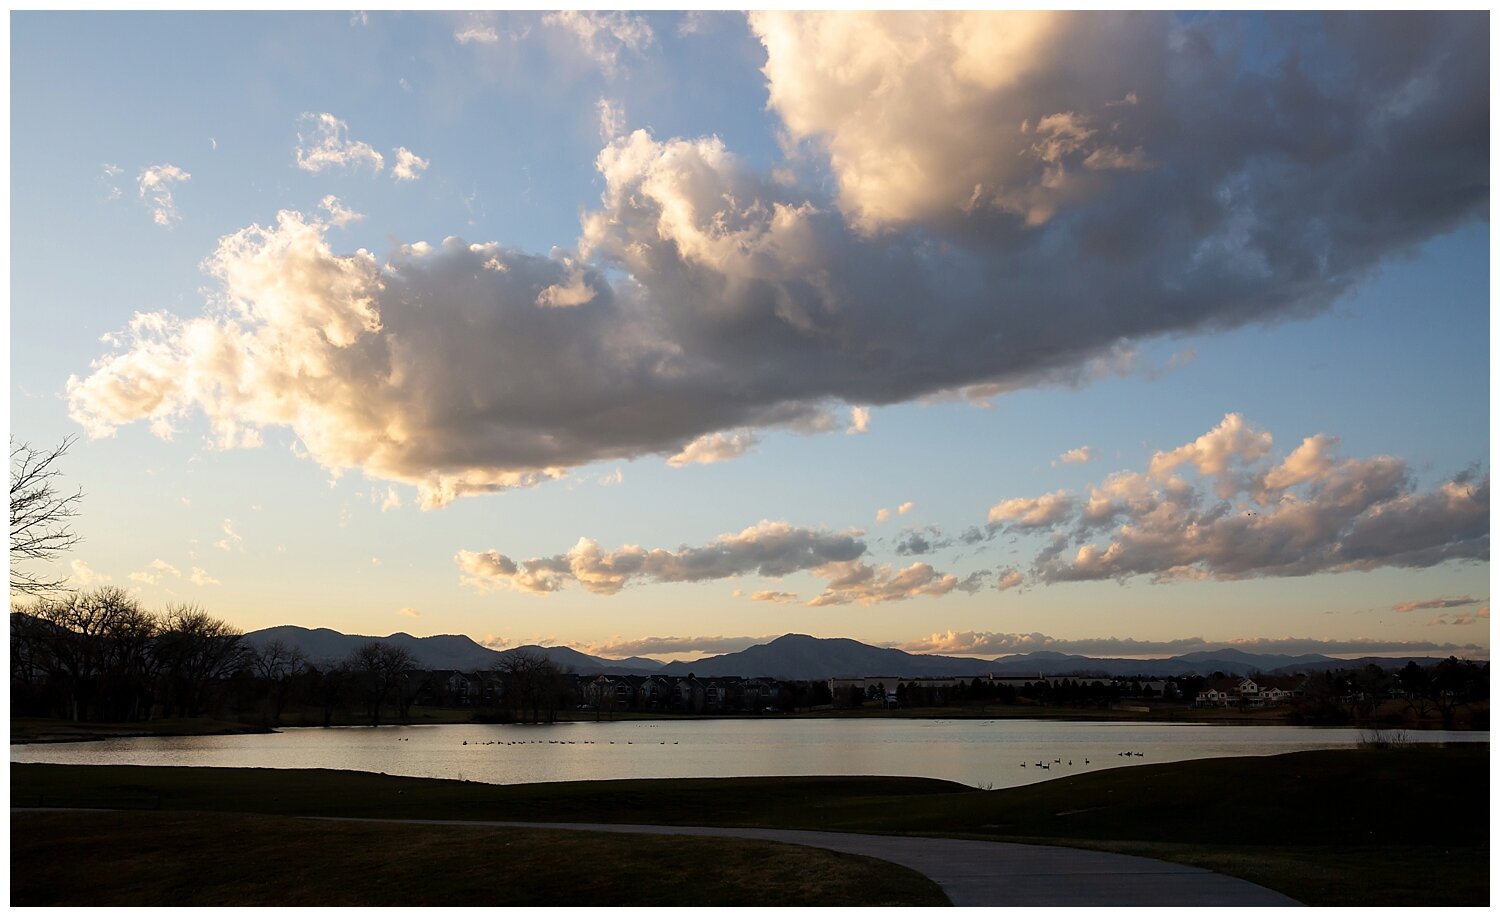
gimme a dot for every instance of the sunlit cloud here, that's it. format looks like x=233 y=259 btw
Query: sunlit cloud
x=156 y=190
x=1429 y=604
x=83 y=575
x=1250 y=515
x=1075 y=456
x=618 y=647
x=409 y=165
x=323 y=143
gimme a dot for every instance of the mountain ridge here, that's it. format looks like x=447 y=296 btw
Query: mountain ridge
x=802 y=657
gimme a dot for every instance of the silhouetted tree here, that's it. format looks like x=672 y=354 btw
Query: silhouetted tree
x=39 y=514
x=281 y=667
x=383 y=670
x=195 y=650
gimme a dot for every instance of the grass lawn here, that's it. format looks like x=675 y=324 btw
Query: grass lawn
x=182 y=858
x=1358 y=827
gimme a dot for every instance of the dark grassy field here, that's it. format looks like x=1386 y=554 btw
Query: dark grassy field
x=185 y=858
x=1400 y=827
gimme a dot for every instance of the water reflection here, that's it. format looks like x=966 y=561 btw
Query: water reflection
x=995 y=753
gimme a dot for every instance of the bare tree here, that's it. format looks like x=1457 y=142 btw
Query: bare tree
x=281 y=666
x=39 y=514
x=197 y=649
x=384 y=668
x=532 y=685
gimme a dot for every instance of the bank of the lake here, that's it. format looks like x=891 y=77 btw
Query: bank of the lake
x=1355 y=827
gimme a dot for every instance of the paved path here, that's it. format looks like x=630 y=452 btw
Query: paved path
x=995 y=874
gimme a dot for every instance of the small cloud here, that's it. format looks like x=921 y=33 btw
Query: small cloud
x=392 y=500
x=882 y=515
x=156 y=190
x=213 y=144
x=779 y=598
x=1079 y=456
x=410 y=612
x=408 y=165
x=602 y=36
x=859 y=420
x=326 y=144
x=1428 y=604
x=714 y=447
x=611 y=119
x=83 y=575
x=359 y=18
x=611 y=479
x=231 y=540
x=200 y=577
x=338 y=214
x=905 y=508
x=476 y=34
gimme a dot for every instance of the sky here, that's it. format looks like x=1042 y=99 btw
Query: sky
x=667 y=333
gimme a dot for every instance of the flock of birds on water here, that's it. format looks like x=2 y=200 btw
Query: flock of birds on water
x=1124 y=754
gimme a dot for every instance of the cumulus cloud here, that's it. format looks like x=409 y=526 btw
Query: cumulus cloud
x=410 y=612
x=155 y=572
x=201 y=577
x=603 y=36
x=391 y=501
x=960 y=255
x=155 y=183
x=1248 y=515
x=1010 y=579
x=408 y=165
x=767 y=549
x=859 y=420
x=979 y=643
x=323 y=143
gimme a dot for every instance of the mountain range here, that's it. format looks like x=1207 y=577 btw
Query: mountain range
x=800 y=657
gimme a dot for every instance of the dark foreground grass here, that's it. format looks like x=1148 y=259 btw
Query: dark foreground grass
x=1397 y=827
x=179 y=858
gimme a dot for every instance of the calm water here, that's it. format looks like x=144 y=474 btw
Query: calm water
x=973 y=752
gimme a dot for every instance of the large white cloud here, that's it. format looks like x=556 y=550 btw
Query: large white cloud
x=1249 y=515
x=710 y=300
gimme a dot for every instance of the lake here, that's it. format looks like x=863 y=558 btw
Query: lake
x=997 y=753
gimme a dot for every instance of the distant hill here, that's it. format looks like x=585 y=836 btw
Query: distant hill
x=446 y=651
x=798 y=656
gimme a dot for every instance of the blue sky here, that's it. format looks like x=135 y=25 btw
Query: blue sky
x=728 y=288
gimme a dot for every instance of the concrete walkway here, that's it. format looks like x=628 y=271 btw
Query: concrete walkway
x=995 y=874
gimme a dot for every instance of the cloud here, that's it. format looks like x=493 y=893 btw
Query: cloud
x=392 y=500
x=155 y=572
x=408 y=165
x=714 y=447
x=884 y=514
x=609 y=480
x=725 y=301
x=83 y=575
x=476 y=34
x=231 y=540
x=778 y=598
x=1010 y=579
x=864 y=584
x=611 y=119
x=1023 y=513
x=617 y=647
x=111 y=172
x=905 y=508
x=1075 y=456
x=603 y=36
x=409 y=612
x=772 y=549
x=326 y=144
x=201 y=577
x=1248 y=515
x=156 y=190
x=338 y=214
x=1404 y=607
x=859 y=420
x=979 y=643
